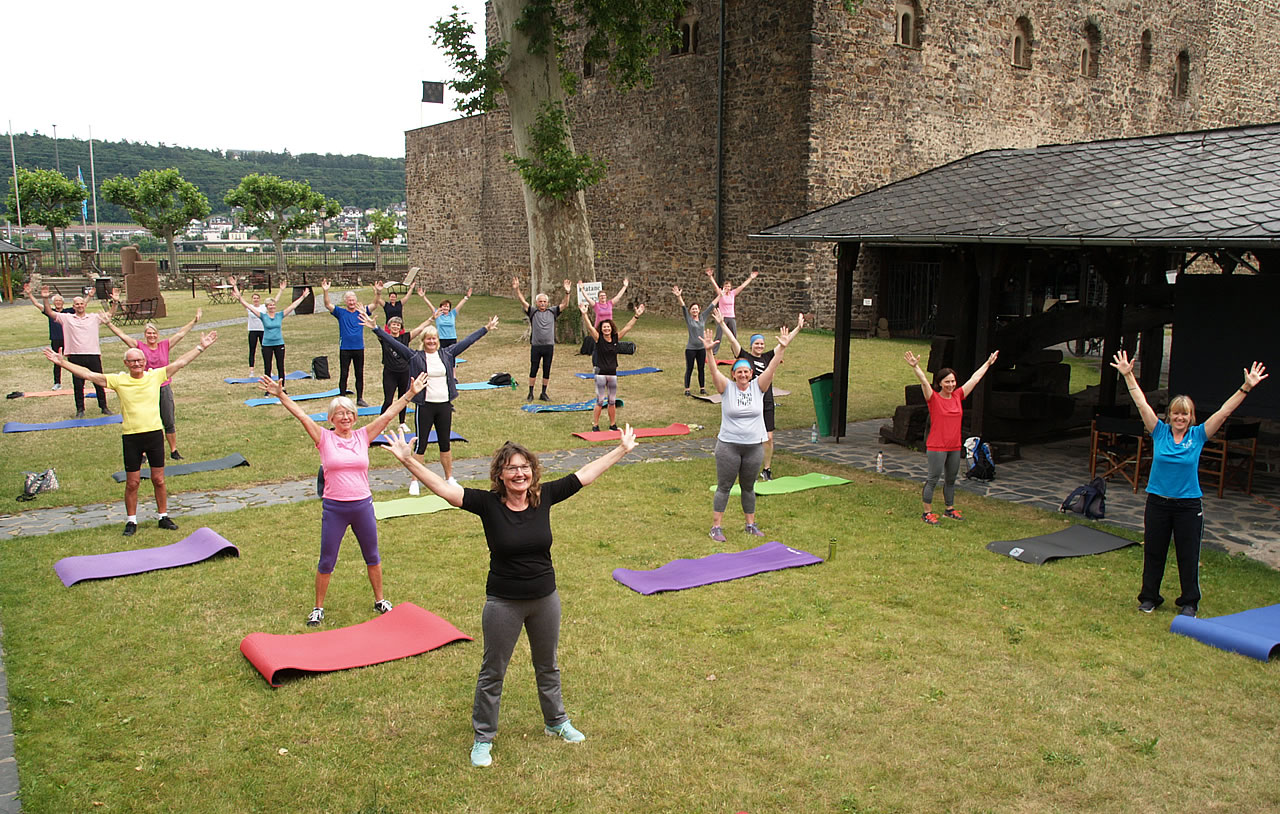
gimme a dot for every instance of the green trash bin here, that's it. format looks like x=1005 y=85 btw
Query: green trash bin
x=822 y=387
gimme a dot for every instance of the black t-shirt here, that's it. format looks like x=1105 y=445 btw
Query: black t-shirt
x=393 y=309
x=758 y=365
x=519 y=542
x=607 y=356
x=396 y=362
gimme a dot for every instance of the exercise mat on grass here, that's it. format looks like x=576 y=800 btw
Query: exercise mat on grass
x=791 y=483
x=69 y=424
x=203 y=544
x=289 y=377
x=38 y=394
x=360 y=411
x=641 y=432
x=680 y=574
x=326 y=394
x=484 y=386
x=405 y=506
x=535 y=407
x=1254 y=633
x=1073 y=541
x=405 y=630
x=635 y=372
x=384 y=441
x=173 y=470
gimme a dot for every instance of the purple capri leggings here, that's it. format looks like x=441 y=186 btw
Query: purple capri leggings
x=334 y=520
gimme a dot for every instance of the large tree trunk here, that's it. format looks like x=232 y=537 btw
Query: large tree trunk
x=560 y=245
x=377 y=259
x=173 y=253
x=278 y=239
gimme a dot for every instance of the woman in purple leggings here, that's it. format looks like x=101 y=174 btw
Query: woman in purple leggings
x=348 y=501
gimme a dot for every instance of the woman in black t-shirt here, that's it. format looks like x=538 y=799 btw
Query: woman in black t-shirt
x=521 y=589
x=607 y=337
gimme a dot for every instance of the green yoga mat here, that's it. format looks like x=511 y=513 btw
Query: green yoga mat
x=794 y=483
x=405 y=506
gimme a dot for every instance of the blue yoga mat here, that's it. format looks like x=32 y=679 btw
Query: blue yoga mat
x=635 y=372
x=383 y=440
x=1254 y=633
x=328 y=394
x=294 y=376
x=70 y=423
x=484 y=386
x=364 y=411
x=535 y=407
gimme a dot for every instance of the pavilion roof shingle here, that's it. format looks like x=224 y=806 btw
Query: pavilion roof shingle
x=1209 y=188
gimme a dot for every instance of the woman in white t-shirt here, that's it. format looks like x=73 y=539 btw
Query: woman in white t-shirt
x=740 y=442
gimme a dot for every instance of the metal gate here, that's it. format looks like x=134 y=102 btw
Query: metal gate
x=910 y=298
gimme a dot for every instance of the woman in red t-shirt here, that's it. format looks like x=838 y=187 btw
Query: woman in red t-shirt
x=944 y=444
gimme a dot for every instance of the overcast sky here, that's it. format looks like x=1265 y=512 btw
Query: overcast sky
x=348 y=76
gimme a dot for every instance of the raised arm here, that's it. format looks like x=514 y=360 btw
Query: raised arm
x=274 y=387
x=733 y=340
x=188 y=357
x=765 y=379
x=376 y=426
x=44 y=295
x=284 y=284
x=627 y=442
x=675 y=289
x=184 y=330
x=403 y=450
x=58 y=359
x=377 y=293
x=387 y=341
x=457 y=309
x=617 y=298
x=1122 y=363
x=632 y=322
x=1252 y=376
x=746 y=282
x=293 y=306
x=235 y=292
x=914 y=361
x=709 y=341
x=586 y=322
x=568 y=289
x=471 y=338
x=515 y=283
x=324 y=286
x=111 y=306
x=711 y=277
x=980 y=372
x=129 y=341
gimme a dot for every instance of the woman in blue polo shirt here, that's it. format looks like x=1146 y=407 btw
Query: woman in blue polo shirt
x=1173 y=487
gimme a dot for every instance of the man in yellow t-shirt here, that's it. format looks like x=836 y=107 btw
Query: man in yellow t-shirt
x=143 y=432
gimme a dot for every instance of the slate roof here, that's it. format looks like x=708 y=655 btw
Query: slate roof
x=8 y=248
x=1207 y=188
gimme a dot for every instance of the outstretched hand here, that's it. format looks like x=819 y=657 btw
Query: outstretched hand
x=324 y=285
x=675 y=289
x=709 y=338
x=418 y=384
x=515 y=283
x=366 y=320
x=582 y=306
x=568 y=286
x=640 y=310
x=53 y=356
x=628 y=438
x=208 y=339
x=397 y=445
x=1122 y=363
x=1255 y=374
x=270 y=385
x=991 y=360
x=913 y=360
x=492 y=323
x=199 y=314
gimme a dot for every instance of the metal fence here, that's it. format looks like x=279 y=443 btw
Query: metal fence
x=313 y=257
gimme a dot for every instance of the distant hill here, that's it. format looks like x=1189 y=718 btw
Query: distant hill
x=354 y=180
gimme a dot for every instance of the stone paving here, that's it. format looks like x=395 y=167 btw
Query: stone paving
x=1044 y=475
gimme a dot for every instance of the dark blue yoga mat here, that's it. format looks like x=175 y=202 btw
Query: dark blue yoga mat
x=1254 y=633
x=173 y=470
x=364 y=411
x=635 y=372
x=294 y=376
x=383 y=440
x=680 y=574
x=535 y=407
x=71 y=423
x=327 y=394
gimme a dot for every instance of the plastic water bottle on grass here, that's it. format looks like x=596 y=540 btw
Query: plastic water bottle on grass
x=880 y=463
x=813 y=434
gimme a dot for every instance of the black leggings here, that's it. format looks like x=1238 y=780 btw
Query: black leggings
x=270 y=352
x=692 y=356
x=92 y=362
x=541 y=354
x=346 y=358
x=254 y=338
x=438 y=414
x=394 y=385
x=1183 y=520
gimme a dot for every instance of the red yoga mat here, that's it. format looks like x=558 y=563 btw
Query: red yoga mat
x=406 y=630
x=641 y=432
x=45 y=393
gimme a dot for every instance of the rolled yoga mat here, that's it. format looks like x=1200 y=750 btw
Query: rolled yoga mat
x=384 y=441
x=327 y=394
x=405 y=630
x=1073 y=541
x=535 y=407
x=1254 y=633
x=172 y=470
x=635 y=372
x=290 y=377
x=69 y=424
x=791 y=483
x=201 y=545
x=405 y=506
x=680 y=574
x=641 y=432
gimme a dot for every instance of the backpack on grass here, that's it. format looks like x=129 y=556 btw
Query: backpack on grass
x=320 y=367
x=982 y=466
x=1089 y=499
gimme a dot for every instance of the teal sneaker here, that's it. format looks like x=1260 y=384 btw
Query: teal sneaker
x=480 y=753
x=565 y=731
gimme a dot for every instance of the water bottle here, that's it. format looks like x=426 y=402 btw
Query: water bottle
x=880 y=463
x=813 y=434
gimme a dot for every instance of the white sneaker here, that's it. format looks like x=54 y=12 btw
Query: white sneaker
x=452 y=480
x=415 y=488
x=57 y=385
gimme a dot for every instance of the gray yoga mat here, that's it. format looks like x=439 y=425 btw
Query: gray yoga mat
x=229 y=462
x=1073 y=541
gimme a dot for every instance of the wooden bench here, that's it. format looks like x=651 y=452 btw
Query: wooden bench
x=352 y=271
x=197 y=270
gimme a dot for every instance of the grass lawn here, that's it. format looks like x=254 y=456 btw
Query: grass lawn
x=914 y=671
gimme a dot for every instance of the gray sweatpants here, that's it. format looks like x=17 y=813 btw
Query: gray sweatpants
x=940 y=463
x=740 y=462
x=501 y=621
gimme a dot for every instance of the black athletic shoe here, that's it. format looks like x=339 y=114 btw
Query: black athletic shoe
x=361 y=403
x=130 y=529
x=177 y=456
x=106 y=411
x=544 y=396
x=613 y=426
x=530 y=396
x=595 y=428
x=315 y=617
x=1146 y=606
x=766 y=474
x=1187 y=610
x=79 y=413
x=168 y=524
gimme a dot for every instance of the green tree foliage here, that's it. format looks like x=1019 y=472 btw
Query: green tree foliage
x=48 y=198
x=552 y=169
x=161 y=201
x=383 y=227
x=280 y=206
x=358 y=180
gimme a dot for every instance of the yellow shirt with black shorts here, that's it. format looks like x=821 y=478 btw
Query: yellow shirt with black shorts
x=139 y=400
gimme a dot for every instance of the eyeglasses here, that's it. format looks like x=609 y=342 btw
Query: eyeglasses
x=511 y=470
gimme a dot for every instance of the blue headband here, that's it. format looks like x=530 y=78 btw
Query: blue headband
x=754 y=337
x=740 y=363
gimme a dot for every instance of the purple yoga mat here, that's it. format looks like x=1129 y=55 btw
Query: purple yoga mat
x=680 y=574
x=201 y=545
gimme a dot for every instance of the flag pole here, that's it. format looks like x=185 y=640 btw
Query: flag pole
x=17 y=195
x=97 y=246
